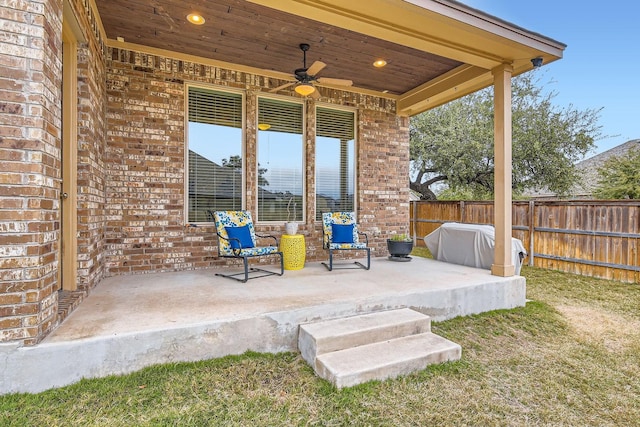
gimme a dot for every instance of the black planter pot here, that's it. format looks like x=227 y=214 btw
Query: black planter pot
x=399 y=250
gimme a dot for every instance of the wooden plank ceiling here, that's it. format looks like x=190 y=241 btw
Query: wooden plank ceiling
x=240 y=32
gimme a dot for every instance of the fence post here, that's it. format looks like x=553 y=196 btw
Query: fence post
x=414 y=222
x=462 y=211
x=532 y=217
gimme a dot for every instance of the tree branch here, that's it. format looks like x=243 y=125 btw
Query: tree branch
x=423 y=187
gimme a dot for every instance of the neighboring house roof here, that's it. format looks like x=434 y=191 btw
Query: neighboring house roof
x=588 y=168
x=213 y=179
x=222 y=182
x=414 y=195
x=588 y=171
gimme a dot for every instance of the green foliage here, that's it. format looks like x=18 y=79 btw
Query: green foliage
x=619 y=177
x=453 y=144
x=235 y=162
x=464 y=193
x=400 y=237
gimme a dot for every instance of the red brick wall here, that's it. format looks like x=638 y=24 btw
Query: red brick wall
x=145 y=170
x=30 y=151
x=30 y=70
x=91 y=165
x=131 y=165
x=145 y=165
x=91 y=151
x=383 y=176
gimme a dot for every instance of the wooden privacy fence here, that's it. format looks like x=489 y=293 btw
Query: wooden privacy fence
x=598 y=238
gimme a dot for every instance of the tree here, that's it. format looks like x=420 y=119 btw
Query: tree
x=235 y=162
x=619 y=177
x=453 y=144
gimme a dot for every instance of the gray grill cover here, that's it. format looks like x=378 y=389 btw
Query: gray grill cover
x=470 y=244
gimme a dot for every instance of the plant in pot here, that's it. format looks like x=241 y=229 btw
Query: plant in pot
x=400 y=246
x=291 y=227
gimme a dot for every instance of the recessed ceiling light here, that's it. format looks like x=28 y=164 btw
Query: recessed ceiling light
x=379 y=63
x=196 y=19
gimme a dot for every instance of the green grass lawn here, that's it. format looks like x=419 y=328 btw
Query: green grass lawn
x=571 y=357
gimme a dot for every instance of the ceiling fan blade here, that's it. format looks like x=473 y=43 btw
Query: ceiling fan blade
x=315 y=94
x=276 y=89
x=336 y=82
x=315 y=68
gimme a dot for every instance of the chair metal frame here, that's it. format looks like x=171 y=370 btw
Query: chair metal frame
x=246 y=254
x=327 y=245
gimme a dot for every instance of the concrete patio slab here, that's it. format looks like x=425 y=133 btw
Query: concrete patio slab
x=130 y=322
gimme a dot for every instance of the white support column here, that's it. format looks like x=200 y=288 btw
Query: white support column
x=502 y=263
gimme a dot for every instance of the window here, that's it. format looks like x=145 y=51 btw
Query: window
x=335 y=160
x=215 y=164
x=280 y=160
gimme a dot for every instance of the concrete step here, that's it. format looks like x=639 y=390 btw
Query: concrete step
x=327 y=336
x=373 y=346
x=386 y=359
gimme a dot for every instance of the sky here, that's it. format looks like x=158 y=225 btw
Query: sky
x=600 y=67
x=275 y=151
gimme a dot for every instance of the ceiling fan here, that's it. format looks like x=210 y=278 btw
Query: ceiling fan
x=305 y=76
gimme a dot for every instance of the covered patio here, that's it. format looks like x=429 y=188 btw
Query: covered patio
x=107 y=179
x=130 y=322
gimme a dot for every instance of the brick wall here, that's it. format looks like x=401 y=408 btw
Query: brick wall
x=30 y=151
x=91 y=151
x=145 y=165
x=30 y=70
x=383 y=176
x=145 y=170
x=131 y=167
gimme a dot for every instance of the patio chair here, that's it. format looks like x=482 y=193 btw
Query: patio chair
x=340 y=233
x=238 y=239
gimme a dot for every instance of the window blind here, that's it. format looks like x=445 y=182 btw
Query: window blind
x=335 y=160
x=335 y=123
x=215 y=107
x=280 y=160
x=215 y=164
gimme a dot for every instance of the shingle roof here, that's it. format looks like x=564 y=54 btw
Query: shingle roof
x=588 y=168
x=588 y=171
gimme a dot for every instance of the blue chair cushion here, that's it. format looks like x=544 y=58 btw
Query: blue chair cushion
x=241 y=233
x=342 y=233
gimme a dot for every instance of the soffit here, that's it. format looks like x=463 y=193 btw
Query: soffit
x=435 y=50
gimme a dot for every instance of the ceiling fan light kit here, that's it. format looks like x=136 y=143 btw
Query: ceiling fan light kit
x=305 y=89
x=305 y=76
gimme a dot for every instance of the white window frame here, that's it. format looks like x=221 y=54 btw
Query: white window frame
x=355 y=151
x=290 y=100
x=243 y=143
